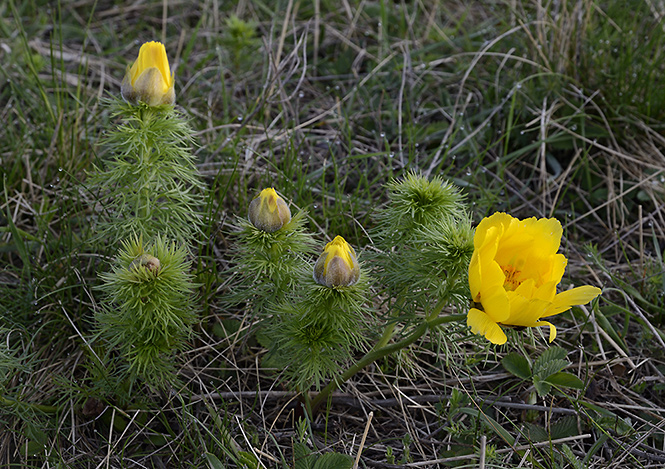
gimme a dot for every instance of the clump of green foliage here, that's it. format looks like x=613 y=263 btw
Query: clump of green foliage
x=147 y=308
x=316 y=320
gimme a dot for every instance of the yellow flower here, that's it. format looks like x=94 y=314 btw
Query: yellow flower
x=513 y=275
x=337 y=266
x=268 y=211
x=149 y=79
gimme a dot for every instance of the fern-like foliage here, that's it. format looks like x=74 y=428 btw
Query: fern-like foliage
x=149 y=184
x=148 y=308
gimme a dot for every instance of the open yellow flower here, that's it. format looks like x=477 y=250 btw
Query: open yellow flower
x=513 y=275
x=268 y=211
x=337 y=266
x=149 y=79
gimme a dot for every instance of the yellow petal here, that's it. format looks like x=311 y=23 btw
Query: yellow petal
x=576 y=296
x=552 y=329
x=475 y=276
x=525 y=311
x=546 y=233
x=484 y=272
x=481 y=323
x=495 y=303
x=152 y=54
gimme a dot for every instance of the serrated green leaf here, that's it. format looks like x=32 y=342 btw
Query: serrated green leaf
x=517 y=365
x=535 y=433
x=616 y=424
x=214 y=462
x=547 y=369
x=565 y=380
x=564 y=427
x=549 y=355
x=570 y=456
x=302 y=456
x=333 y=461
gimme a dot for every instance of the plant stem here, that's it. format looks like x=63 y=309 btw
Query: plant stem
x=390 y=327
x=378 y=353
x=8 y=402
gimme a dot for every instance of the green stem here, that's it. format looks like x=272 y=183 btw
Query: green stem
x=143 y=208
x=7 y=402
x=390 y=327
x=378 y=353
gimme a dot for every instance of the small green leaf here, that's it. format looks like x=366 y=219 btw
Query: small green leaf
x=565 y=380
x=302 y=456
x=535 y=433
x=214 y=462
x=547 y=369
x=333 y=461
x=247 y=460
x=606 y=325
x=570 y=456
x=549 y=355
x=517 y=364
x=491 y=423
x=564 y=427
x=543 y=388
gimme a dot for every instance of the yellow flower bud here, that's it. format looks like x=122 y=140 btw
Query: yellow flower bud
x=337 y=266
x=149 y=79
x=268 y=211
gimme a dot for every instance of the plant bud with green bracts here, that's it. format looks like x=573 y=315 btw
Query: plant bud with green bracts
x=319 y=326
x=267 y=262
x=268 y=211
x=337 y=266
x=148 y=184
x=148 y=308
x=149 y=78
x=416 y=202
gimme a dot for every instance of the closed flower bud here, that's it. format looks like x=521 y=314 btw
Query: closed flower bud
x=268 y=211
x=149 y=79
x=149 y=262
x=337 y=266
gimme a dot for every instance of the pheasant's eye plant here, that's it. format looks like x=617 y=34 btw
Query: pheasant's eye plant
x=428 y=265
x=147 y=184
x=147 y=309
x=150 y=193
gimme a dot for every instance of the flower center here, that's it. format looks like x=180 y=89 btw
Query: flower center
x=512 y=278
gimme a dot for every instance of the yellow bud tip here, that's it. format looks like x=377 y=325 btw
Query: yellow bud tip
x=149 y=79
x=268 y=211
x=337 y=266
